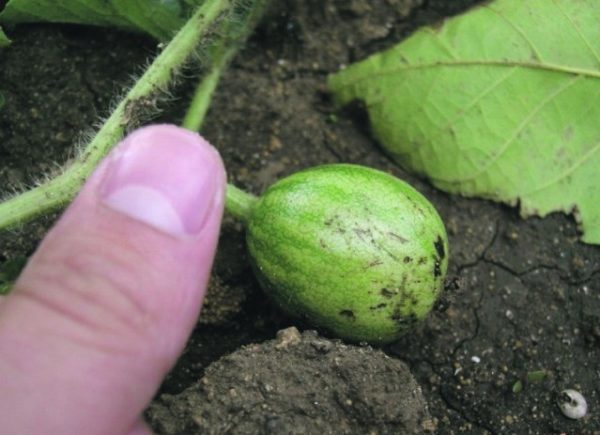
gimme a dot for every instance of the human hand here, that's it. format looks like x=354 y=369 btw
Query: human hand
x=105 y=306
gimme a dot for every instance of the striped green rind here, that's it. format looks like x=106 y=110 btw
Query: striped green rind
x=351 y=249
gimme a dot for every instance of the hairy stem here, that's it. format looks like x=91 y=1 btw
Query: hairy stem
x=194 y=117
x=238 y=203
x=221 y=54
x=58 y=191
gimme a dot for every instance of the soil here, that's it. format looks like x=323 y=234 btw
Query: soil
x=520 y=320
x=344 y=393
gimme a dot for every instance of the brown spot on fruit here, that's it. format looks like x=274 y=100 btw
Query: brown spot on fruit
x=398 y=237
x=439 y=247
x=437 y=270
x=403 y=322
x=386 y=293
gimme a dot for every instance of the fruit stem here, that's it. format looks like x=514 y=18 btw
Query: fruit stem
x=239 y=204
x=58 y=191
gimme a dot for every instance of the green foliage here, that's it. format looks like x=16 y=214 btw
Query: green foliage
x=517 y=387
x=533 y=377
x=4 y=41
x=537 y=376
x=500 y=103
x=159 y=18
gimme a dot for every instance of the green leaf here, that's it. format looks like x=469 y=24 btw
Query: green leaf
x=159 y=18
x=4 y=41
x=517 y=387
x=500 y=103
x=537 y=376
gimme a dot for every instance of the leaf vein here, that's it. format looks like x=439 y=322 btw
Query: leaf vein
x=512 y=139
x=575 y=165
x=578 y=30
x=442 y=43
x=425 y=99
x=477 y=99
x=567 y=172
x=559 y=69
x=519 y=30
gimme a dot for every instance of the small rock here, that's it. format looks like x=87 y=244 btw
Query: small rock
x=275 y=144
x=287 y=337
x=358 y=8
x=322 y=346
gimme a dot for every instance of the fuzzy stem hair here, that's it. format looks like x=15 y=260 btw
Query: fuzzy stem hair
x=221 y=54
x=56 y=192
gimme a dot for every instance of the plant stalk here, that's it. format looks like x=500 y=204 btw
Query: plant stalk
x=56 y=192
x=221 y=54
x=238 y=203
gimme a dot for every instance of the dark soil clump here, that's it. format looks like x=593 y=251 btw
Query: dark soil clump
x=298 y=384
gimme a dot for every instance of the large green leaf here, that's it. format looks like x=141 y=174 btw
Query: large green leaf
x=159 y=18
x=502 y=102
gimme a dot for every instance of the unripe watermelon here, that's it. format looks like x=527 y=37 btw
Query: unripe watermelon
x=350 y=249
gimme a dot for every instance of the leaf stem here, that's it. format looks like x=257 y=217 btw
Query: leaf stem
x=238 y=203
x=58 y=191
x=222 y=52
x=194 y=117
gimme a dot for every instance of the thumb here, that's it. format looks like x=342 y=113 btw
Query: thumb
x=105 y=305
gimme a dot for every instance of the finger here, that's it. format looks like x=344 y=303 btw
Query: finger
x=140 y=428
x=105 y=305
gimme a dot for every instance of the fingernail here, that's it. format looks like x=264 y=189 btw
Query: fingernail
x=164 y=176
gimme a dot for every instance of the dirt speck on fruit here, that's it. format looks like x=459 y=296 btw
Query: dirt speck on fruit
x=348 y=314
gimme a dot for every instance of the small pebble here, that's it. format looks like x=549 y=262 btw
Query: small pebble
x=288 y=337
x=572 y=404
x=322 y=346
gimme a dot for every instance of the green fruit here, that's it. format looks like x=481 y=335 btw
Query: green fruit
x=350 y=249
